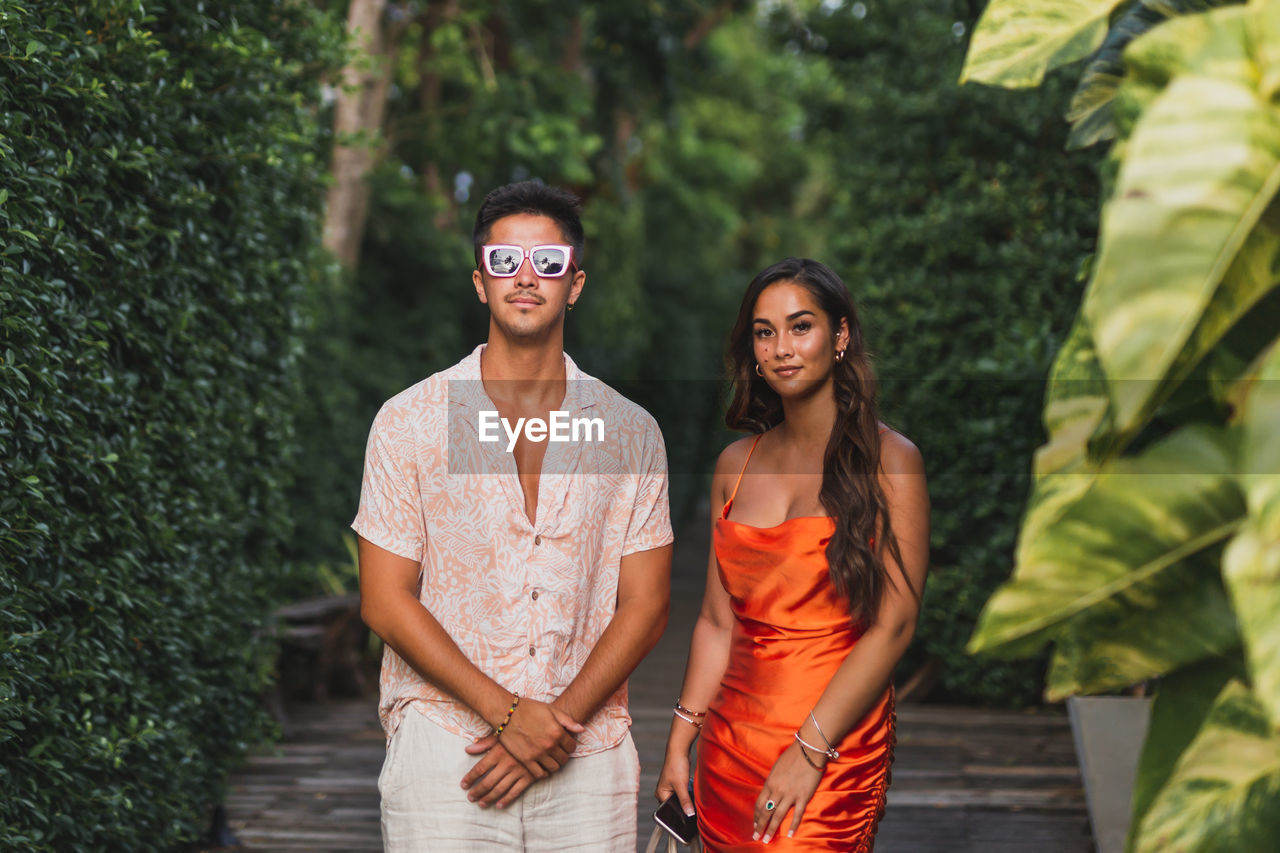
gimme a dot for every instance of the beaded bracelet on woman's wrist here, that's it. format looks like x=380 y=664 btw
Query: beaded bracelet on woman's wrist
x=693 y=718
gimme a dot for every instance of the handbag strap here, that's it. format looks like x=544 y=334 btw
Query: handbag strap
x=673 y=846
x=655 y=840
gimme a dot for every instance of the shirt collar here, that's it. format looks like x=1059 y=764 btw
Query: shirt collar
x=582 y=390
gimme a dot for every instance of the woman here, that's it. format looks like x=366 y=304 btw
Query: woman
x=820 y=546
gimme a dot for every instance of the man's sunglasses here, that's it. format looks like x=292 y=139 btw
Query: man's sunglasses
x=550 y=261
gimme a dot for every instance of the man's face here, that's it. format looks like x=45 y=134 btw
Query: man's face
x=526 y=305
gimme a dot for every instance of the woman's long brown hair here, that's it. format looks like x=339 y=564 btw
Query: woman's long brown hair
x=851 y=491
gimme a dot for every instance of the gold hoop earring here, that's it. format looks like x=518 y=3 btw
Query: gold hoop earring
x=570 y=306
x=759 y=372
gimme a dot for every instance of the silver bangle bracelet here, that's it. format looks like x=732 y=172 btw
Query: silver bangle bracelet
x=821 y=734
x=806 y=747
x=831 y=754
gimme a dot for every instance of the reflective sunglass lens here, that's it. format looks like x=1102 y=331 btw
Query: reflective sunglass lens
x=549 y=261
x=503 y=260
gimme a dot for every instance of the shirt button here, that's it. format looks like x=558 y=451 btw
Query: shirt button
x=531 y=651
x=537 y=540
x=534 y=595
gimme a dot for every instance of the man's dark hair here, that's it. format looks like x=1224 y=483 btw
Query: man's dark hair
x=536 y=198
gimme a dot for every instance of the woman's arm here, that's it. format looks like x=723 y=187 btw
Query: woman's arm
x=708 y=649
x=861 y=679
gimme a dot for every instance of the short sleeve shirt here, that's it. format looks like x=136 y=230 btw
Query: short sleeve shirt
x=525 y=601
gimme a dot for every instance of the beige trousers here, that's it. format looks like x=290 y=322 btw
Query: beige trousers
x=588 y=805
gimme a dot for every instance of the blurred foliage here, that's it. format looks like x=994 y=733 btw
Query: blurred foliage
x=1150 y=549
x=159 y=177
x=341 y=578
x=709 y=140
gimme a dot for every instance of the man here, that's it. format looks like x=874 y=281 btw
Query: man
x=517 y=581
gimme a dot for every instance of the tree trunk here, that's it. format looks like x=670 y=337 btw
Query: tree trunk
x=361 y=104
x=429 y=93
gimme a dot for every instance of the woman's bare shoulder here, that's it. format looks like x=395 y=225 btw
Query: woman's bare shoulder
x=728 y=464
x=734 y=456
x=898 y=455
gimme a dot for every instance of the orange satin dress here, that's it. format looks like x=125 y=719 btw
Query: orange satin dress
x=791 y=632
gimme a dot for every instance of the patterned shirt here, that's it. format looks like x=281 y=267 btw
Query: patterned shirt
x=525 y=601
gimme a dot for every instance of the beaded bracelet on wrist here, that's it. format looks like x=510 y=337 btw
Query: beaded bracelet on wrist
x=510 y=711
x=693 y=718
x=689 y=711
x=688 y=719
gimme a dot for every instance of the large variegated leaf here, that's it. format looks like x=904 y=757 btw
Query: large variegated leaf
x=1224 y=793
x=1133 y=520
x=1251 y=564
x=1076 y=410
x=1184 y=236
x=1150 y=65
x=1182 y=702
x=1240 y=355
x=1076 y=405
x=1017 y=41
x=1090 y=112
x=1173 y=618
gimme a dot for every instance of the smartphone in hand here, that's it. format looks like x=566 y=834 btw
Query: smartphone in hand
x=671 y=817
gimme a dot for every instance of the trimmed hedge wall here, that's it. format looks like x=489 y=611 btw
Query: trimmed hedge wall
x=160 y=171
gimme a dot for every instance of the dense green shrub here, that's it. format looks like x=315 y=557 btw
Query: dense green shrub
x=159 y=189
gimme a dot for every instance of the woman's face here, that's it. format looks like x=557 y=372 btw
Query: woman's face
x=794 y=341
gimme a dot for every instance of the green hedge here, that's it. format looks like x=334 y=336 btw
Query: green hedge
x=159 y=193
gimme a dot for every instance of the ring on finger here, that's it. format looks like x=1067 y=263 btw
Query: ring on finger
x=770 y=806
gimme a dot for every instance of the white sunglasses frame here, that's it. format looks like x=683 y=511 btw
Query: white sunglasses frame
x=526 y=255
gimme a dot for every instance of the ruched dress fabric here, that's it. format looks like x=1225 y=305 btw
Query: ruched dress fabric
x=791 y=632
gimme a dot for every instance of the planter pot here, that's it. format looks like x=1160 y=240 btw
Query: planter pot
x=1109 y=732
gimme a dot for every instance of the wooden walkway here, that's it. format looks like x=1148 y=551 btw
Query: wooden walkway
x=964 y=780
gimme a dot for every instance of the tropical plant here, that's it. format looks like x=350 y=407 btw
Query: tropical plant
x=1150 y=549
